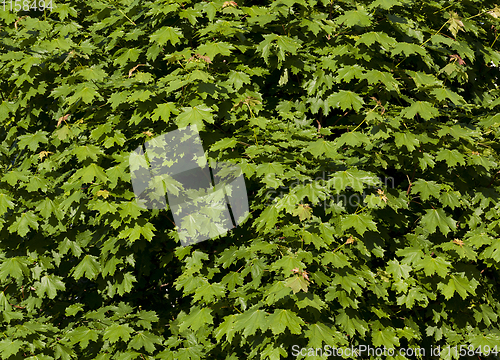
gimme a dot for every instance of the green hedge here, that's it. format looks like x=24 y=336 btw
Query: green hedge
x=381 y=114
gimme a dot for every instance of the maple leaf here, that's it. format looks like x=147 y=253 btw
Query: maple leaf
x=62 y=118
x=495 y=12
x=103 y=193
x=229 y=3
x=346 y=100
x=303 y=211
x=381 y=194
x=43 y=154
x=455 y=23
x=350 y=240
x=458 y=242
x=456 y=57
x=249 y=101
x=297 y=283
x=204 y=58
x=437 y=218
x=422 y=108
x=305 y=275
x=165 y=34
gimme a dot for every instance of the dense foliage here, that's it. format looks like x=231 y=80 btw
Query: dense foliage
x=368 y=135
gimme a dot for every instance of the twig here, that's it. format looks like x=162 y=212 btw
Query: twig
x=409 y=185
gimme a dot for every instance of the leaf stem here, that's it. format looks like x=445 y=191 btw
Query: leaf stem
x=421 y=45
x=361 y=123
x=116 y=7
x=435 y=12
x=494 y=41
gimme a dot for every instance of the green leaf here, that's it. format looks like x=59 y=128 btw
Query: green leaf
x=15 y=267
x=196 y=319
x=268 y=218
x=451 y=199
x=302 y=211
x=353 y=178
x=297 y=283
x=24 y=223
x=165 y=34
x=282 y=319
x=426 y=161
x=224 y=144
x=127 y=55
x=5 y=203
x=250 y=321
x=423 y=80
x=87 y=151
x=227 y=328
x=274 y=353
x=426 y=189
x=491 y=121
x=238 y=78
x=145 y=340
x=286 y=44
x=287 y=263
x=93 y=73
x=414 y=295
x=369 y=38
x=49 y=284
x=399 y=271
x=384 y=4
x=319 y=334
x=117 y=98
x=351 y=323
x=86 y=92
x=385 y=337
x=459 y=284
x=452 y=157
x=115 y=332
x=337 y=259
x=134 y=233
x=5 y=109
x=195 y=116
x=433 y=265
x=210 y=291
x=90 y=173
x=407 y=49
x=361 y=223
x=480 y=341
x=347 y=73
x=83 y=335
x=349 y=283
x=126 y=285
x=422 y=108
x=352 y=138
x=73 y=309
x=10 y=347
x=33 y=140
x=346 y=100
x=163 y=111
x=407 y=139
x=437 y=218
x=212 y=49
x=443 y=93
x=64 y=10
x=88 y=267
x=354 y=17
